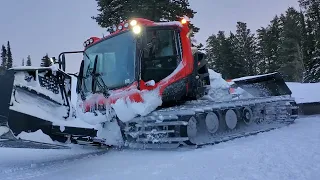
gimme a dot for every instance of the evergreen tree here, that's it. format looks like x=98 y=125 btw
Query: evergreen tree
x=291 y=55
x=274 y=39
x=312 y=13
x=263 y=50
x=22 y=63
x=212 y=53
x=304 y=40
x=28 y=63
x=112 y=12
x=9 y=56
x=45 y=61
x=215 y=50
x=221 y=56
x=245 y=47
x=3 y=57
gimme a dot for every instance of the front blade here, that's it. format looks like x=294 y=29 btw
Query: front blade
x=264 y=85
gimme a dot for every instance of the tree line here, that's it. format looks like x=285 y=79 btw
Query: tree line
x=7 y=60
x=289 y=44
x=6 y=56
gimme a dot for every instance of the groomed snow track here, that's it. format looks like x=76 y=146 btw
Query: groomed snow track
x=205 y=122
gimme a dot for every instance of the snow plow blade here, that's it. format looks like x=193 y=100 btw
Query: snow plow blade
x=36 y=101
x=263 y=85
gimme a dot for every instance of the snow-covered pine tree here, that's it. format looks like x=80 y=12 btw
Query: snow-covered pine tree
x=22 y=62
x=9 y=56
x=3 y=57
x=28 y=63
x=45 y=61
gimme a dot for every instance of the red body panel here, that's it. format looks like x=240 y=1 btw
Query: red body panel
x=184 y=69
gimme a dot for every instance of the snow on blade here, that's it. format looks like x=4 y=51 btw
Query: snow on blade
x=110 y=133
x=219 y=88
x=38 y=136
x=127 y=110
x=40 y=108
x=250 y=77
x=20 y=80
x=3 y=130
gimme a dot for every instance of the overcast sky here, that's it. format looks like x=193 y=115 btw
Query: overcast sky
x=37 y=27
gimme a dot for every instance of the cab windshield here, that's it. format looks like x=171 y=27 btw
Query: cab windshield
x=115 y=61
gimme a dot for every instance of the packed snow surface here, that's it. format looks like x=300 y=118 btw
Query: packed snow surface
x=305 y=92
x=289 y=153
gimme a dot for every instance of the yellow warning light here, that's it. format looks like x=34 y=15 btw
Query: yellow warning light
x=183 y=21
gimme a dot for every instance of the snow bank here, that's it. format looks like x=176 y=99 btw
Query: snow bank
x=305 y=92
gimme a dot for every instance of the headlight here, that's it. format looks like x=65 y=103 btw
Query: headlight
x=136 y=29
x=133 y=23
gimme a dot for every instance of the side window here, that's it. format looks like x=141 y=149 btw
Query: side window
x=160 y=43
x=161 y=54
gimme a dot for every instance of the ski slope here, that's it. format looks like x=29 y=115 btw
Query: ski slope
x=289 y=153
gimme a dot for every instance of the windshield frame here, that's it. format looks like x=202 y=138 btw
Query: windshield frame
x=136 y=63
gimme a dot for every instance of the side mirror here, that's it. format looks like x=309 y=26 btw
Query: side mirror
x=63 y=62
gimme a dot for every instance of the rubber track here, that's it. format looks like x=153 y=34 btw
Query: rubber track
x=173 y=115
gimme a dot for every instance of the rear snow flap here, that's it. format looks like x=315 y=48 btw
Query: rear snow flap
x=271 y=84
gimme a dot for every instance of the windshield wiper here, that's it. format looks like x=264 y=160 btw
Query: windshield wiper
x=97 y=79
x=84 y=52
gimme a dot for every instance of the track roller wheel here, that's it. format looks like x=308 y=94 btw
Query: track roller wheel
x=212 y=122
x=247 y=115
x=192 y=127
x=231 y=119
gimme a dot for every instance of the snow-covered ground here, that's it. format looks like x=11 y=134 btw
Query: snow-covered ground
x=305 y=92
x=290 y=153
